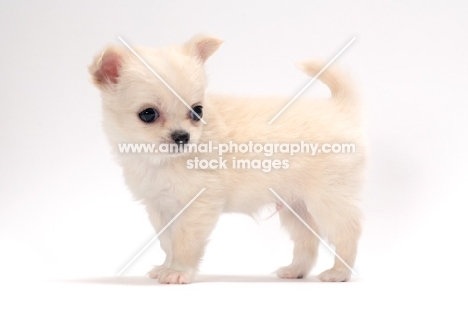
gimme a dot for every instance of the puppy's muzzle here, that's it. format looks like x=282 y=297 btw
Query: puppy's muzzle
x=180 y=137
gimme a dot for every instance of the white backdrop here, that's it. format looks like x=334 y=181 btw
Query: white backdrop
x=65 y=212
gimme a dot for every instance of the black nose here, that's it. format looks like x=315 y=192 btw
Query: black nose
x=180 y=137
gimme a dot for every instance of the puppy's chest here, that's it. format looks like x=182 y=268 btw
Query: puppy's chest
x=154 y=185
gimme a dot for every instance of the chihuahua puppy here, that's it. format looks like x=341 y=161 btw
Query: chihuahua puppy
x=322 y=189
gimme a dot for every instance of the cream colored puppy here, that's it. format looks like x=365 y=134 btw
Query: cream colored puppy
x=323 y=188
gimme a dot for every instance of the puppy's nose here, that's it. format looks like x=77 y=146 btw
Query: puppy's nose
x=180 y=137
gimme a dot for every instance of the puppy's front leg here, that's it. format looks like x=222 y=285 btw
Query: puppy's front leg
x=184 y=242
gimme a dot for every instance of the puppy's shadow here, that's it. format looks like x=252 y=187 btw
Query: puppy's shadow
x=200 y=279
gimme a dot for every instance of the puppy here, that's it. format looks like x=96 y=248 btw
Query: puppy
x=322 y=189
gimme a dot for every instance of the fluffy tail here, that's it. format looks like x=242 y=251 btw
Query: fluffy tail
x=338 y=83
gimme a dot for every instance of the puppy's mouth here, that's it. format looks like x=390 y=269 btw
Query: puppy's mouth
x=173 y=149
x=178 y=148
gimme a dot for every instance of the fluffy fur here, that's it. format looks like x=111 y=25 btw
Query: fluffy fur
x=323 y=189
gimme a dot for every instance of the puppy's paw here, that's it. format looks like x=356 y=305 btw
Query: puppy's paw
x=170 y=276
x=155 y=272
x=335 y=275
x=291 y=272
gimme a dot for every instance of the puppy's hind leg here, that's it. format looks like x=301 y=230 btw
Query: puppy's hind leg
x=305 y=242
x=343 y=231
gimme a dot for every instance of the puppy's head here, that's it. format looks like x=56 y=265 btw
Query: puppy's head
x=145 y=105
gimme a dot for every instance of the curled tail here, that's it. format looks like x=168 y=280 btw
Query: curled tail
x=338 y=82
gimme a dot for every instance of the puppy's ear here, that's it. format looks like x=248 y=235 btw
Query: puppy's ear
x=202 y=47
x=106 y=67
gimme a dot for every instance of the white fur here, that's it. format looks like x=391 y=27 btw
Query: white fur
x=323 y=189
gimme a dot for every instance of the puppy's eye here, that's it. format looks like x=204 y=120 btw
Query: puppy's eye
x=199 y=111
x=148 y=115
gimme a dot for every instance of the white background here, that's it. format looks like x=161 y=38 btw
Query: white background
x=66 y=216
